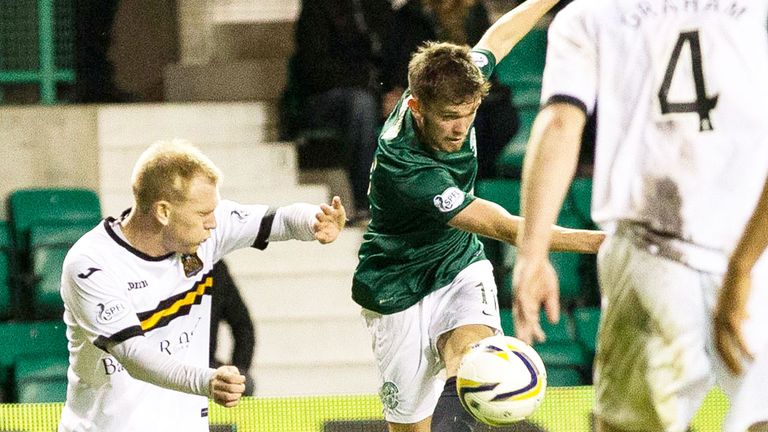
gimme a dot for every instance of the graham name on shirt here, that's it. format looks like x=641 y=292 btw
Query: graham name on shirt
x=649 y=9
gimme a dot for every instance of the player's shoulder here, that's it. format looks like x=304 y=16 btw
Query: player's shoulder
x=96 y=244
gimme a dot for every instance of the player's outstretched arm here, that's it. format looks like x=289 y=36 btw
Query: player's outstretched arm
x=308 y=222
x=575 y=240
x=731 y=307
x=489 y=219
x=512 y=26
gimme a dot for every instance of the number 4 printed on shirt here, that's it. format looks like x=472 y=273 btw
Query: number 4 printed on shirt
x=703 y=104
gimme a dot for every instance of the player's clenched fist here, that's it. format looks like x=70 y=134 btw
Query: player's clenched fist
x=227 y=386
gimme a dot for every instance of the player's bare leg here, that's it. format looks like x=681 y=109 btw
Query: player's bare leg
x=453 y=345
x=450 y=415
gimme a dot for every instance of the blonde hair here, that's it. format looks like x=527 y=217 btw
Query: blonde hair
x=444 y=73
x=165 y=169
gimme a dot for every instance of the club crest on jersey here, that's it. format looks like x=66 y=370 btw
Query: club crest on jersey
x=111 y=311
x=478 y=59
x=449 y=200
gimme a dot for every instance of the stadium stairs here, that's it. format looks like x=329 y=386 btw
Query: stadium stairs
x=232 y=70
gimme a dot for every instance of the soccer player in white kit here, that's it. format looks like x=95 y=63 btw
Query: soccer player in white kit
x=679 y=88
x=137 y=294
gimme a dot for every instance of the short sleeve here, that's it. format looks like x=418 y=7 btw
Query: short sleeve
x=432 y=191
x=570 y=74
x=102 y=310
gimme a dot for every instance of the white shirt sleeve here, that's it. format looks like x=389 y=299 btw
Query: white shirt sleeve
x=571 y=70
x=150 y=365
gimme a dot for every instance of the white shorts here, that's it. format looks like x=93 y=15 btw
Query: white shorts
x=655 y=358
x=405 y=343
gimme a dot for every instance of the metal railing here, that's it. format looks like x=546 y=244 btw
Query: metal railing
x=37 y=45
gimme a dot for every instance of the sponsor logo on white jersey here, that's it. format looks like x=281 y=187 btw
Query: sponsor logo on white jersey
x=111 y=311
x=449 y=200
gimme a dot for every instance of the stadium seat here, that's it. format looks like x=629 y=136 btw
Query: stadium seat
x=586 y=321
x=505 y=192
x=20 y=339
x=48 y=246
x=510 y=161
x=41 y=378
x=562 y=331
x=565 y=376
x=29 y=207
x=525 y=63
x=6 y=294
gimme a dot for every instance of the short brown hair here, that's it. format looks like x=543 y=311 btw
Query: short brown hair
x=443 y=73
x=165 y=169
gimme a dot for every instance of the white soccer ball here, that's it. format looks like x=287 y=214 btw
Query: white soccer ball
x=501 y=380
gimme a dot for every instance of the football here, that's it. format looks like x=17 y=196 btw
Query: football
x=501 y=380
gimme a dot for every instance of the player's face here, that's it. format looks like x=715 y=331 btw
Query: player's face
x=190 y=222
x=445 y=127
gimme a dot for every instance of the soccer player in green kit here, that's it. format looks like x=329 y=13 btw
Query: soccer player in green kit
x=425 y=286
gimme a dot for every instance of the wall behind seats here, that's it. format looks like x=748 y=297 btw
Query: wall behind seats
x=47 y=147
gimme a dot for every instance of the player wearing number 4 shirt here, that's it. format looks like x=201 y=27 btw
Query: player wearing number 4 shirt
x=680 y=93
x=425 y=285
x=137 y=293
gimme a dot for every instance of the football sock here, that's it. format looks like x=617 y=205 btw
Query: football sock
x=449 y=415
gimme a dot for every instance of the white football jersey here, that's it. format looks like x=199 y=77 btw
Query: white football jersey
x=113 y=292
x=680 y=90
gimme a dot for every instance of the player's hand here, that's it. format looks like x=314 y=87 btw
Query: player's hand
x=534 y=283
x=330 y=221
x=730 y=313
x=227 y=386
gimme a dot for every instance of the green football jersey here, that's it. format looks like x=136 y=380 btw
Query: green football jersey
x=409 y=250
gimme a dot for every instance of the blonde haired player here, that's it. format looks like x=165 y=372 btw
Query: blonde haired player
x=137 y=294
x=679 y=89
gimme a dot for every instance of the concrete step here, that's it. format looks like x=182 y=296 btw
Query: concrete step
x=294 y=257
x=298 y=296
x=254 y=11
x=316 y=379
x=310 y=341
x=210 y=123
x=244 y=80
x=245 y=165
x=116 y=199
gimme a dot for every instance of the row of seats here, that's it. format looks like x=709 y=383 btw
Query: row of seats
x=569 y=351
x=43 y=224
x=522 y=70
x=33 y=361
x=577 y=272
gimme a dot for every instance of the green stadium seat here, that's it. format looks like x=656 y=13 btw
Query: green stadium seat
x=505 y=192
x=586 y=321
x=6 y=294
x=525 y=63
x=564 y=354
x=29 y=207
x=41 y=378
x=565 y=376
x=21 y=339
x=49 y=245
x=562 y=331
x=510 y=161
